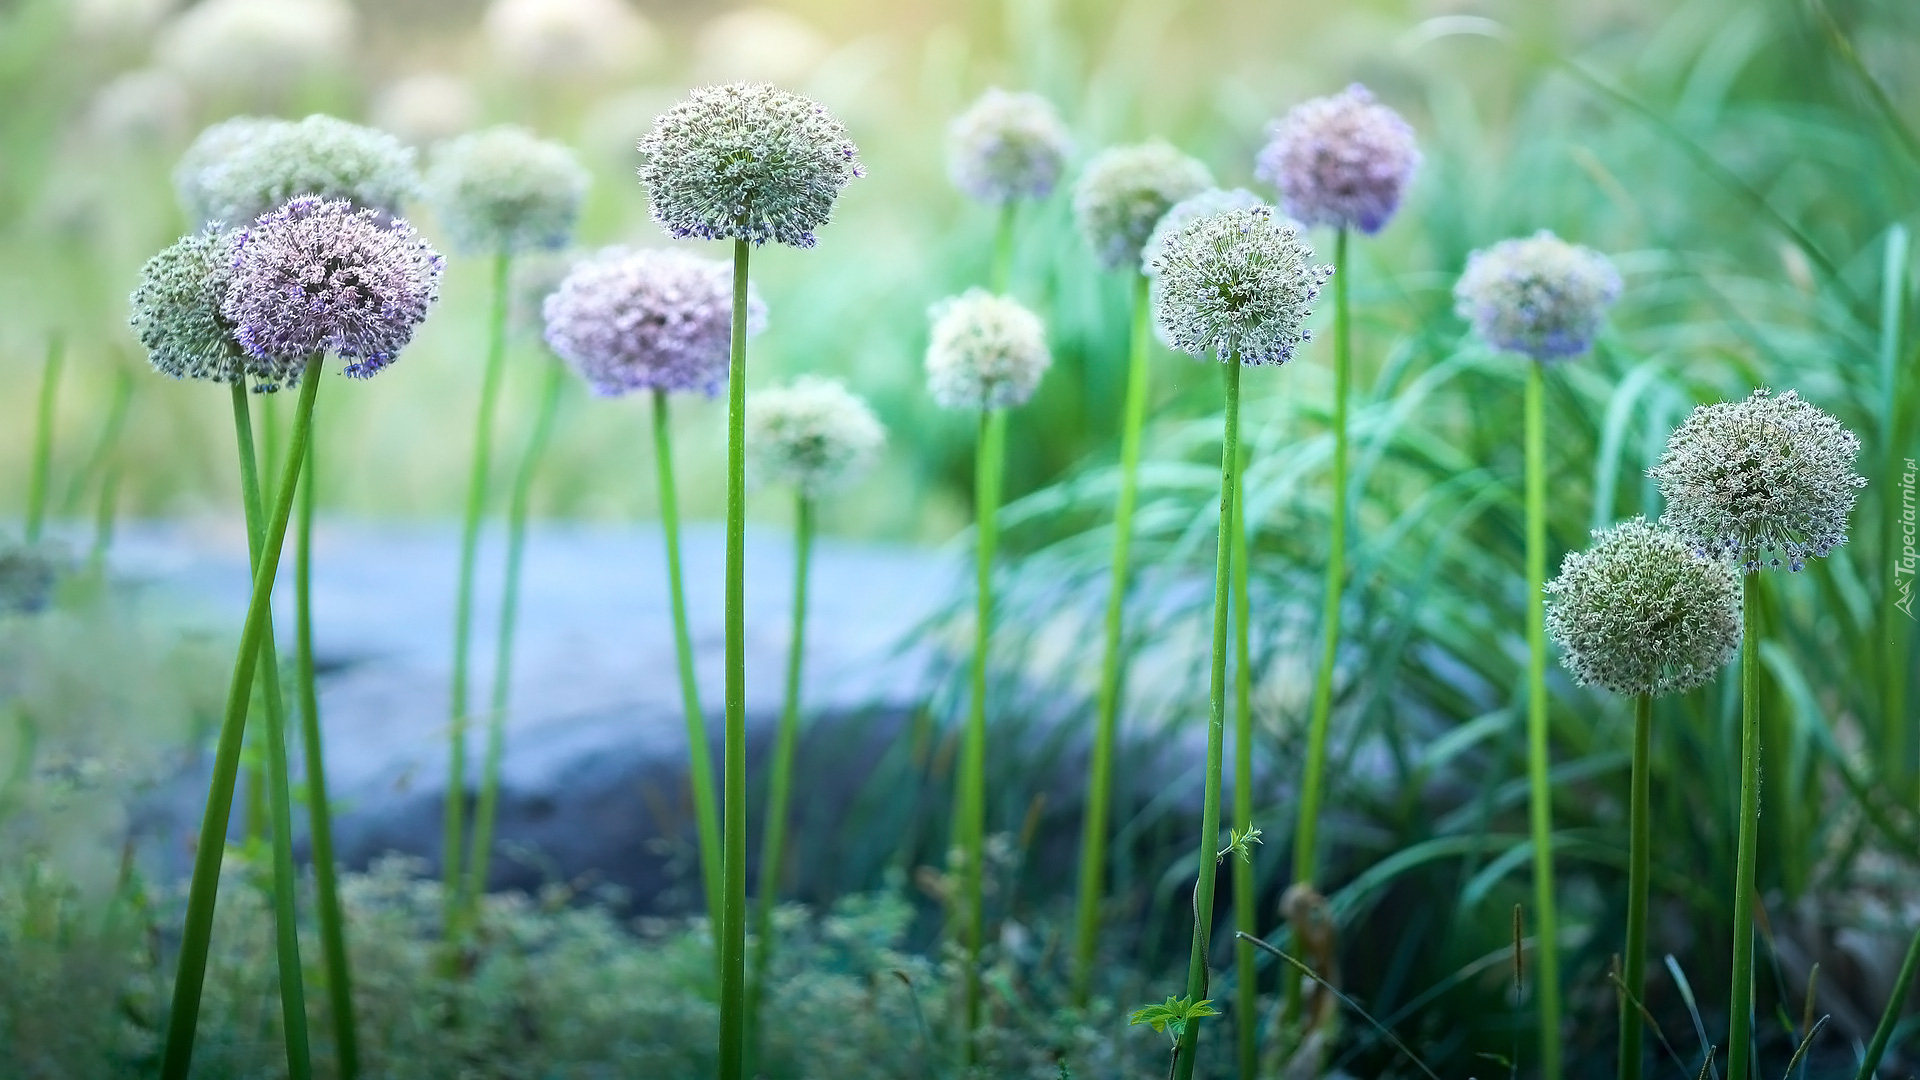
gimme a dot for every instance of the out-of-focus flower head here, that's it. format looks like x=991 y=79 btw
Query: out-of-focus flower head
x=149 y=106
x=812 y=434
x=240 y=169
x=1540 y=295
x=648 y=319
x=1192 y=208
x=1125 y=191
x=503 y=189
x=256 y=46
x=985 y=352
x=426 y=107
x=758 y=44
x=569 y=39
x=1343 y=160
x=175 y=312
x=1008 y=146
x=1240 y=283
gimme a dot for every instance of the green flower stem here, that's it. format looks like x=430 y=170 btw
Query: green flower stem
x=1890 y=1019
x=706 y=807
x=733 y=931
x=1640 y=817
x=450 y=847
x=286 y=928
x=989 y=465
x=1540 y=801
x=1246 y=920
x=1740 y=999
x=196 y=937
x=43 y=440
x=487 y=806
x=1307 y=826
x=1093 y=838
x=773 y=839
x=1002 y=268
x=1216 y=724
x=1896 y=750
x=333 y=934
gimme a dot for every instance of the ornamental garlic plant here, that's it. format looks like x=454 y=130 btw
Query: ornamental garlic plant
x=1007 y=147
x=242 y=168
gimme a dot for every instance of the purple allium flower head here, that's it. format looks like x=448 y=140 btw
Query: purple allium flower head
x=504 y=189
x=176 y=314
x=1007 y=146
x=1759 y=479
x=648 y=319
x=1240 y=283
x=319 y=276
x=1540 y=295
x=1343 y=160
x=746 y=161
x=1190 y=209
x=1125 y=190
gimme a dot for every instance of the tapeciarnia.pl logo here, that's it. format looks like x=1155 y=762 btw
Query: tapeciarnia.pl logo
x=1903 y=564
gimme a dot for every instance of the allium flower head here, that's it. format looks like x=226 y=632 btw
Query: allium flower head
x=1239 y=282
x=1540 y=295
x=1759 y=480
x=569 y=39
x=503 y=189
x=631 y=320
x=746 y=161
x=812 y=434
x=1642 y=612
x=1210 y=201
x=1343 y=160
x=225 y=46
x=320 y=276
x=986 y=352
x=426 y=107
x=1124 y=192
x=176 y=313
x=240 y=169
x=1007 y=146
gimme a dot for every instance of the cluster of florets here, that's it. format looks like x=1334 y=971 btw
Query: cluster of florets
x=1343 y=160
x=176 y=313
x=1190 y=209
x=631 y=320
x=1643 y=612
x=1539 y=295
x=746 y=161
x=1008 y=146
x=240 y=169
x=322 y=276
x=1760 y=481
x=1240 y=283
x=1125 y=191
x=812 y=434
x=505 y=189
x=985 y=352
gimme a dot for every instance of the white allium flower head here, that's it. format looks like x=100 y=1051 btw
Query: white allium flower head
x=504 y=189
x=1123 y=193
x=985 y=352
x=263 y=46
x=1008 y=146
x=240 y=169
x=1760 y=480
x=149 y=106
x=1539 y=295
x=648 y=319
x=426 y=107
x=1643 y=612
x=812 y=434
x=758 y=44
x=746 y=161
x=569 y=39
x=1210 y=201
x=1343 y=160
x=1240 y=283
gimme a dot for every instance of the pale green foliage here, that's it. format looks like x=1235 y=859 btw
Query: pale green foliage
x=1173 y=1015
x=1241 y=843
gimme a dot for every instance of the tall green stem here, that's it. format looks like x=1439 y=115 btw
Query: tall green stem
x=1307 y=826
x=1890 y=1018
x=487 y=806
x=1639 y=857
x=989 y=465
x=333 y=934
x=1245 y=918
x=1093 y=837
x=286 y=932
x=1540 y=800
x=1897 y=750
x=203 y=892
x=1216 y=723
x=773 y=837
x=706 y=807
x=456 y=808
x=1740 y=999
x=1002 y=269
x=733 y=936
x=37 y=480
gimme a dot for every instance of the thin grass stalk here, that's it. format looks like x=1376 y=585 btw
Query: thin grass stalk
x=326 y=883
x=1216 y=724
x=1889 y=1019
x=989 y=465
x=1740 y=999
x=203 y=891
x=1093 y=840
x=38 y=478
x=773 y=836
x=451 y=847
x=1639 y=870
x=733 y=936
x=104 y=513
x=1540 y=791
x=486 y=808
x=286 y=927
x=1896 y=750
x=706 y=806
x=1246 y=920
x=1306 y=828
